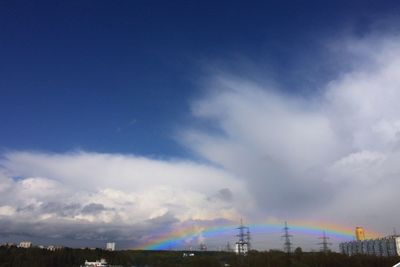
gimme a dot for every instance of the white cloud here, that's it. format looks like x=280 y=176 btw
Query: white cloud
x=7 y=211
x=333 y=156
x=70 y=191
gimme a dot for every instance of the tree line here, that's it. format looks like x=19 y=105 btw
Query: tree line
x=68 y=257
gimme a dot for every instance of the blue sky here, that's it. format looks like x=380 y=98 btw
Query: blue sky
x=118 y=76
x=124 y=119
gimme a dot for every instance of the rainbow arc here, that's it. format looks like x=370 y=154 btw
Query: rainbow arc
x=176 y=238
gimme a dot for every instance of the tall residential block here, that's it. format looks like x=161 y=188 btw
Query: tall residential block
x=360 y=233
x=385 y=246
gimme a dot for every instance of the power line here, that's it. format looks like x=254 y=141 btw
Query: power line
x=248 y=238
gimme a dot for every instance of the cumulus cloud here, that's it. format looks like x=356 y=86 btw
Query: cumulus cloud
x=333 y=155
x=91 y=195
x=275 y=143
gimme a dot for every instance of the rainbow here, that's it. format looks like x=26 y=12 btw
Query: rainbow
x=174 y=238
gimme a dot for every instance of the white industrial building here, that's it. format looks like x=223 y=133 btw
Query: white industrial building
x=387 y=246
x=25 y=244
x=110 y=246
x=241 y=248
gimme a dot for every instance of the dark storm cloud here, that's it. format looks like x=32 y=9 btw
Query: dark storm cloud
x=93 y=208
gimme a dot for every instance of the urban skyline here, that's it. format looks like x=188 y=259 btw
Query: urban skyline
x=362 y=244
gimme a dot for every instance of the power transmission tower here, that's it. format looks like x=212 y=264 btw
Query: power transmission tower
x=287 y=236
x=325 y=243
x=203 y=247
x=243 y=244
x=228 y=247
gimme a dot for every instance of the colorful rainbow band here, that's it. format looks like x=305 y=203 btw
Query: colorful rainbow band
x=175 y=238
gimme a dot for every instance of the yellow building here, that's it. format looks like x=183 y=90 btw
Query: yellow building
x=360 y=234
